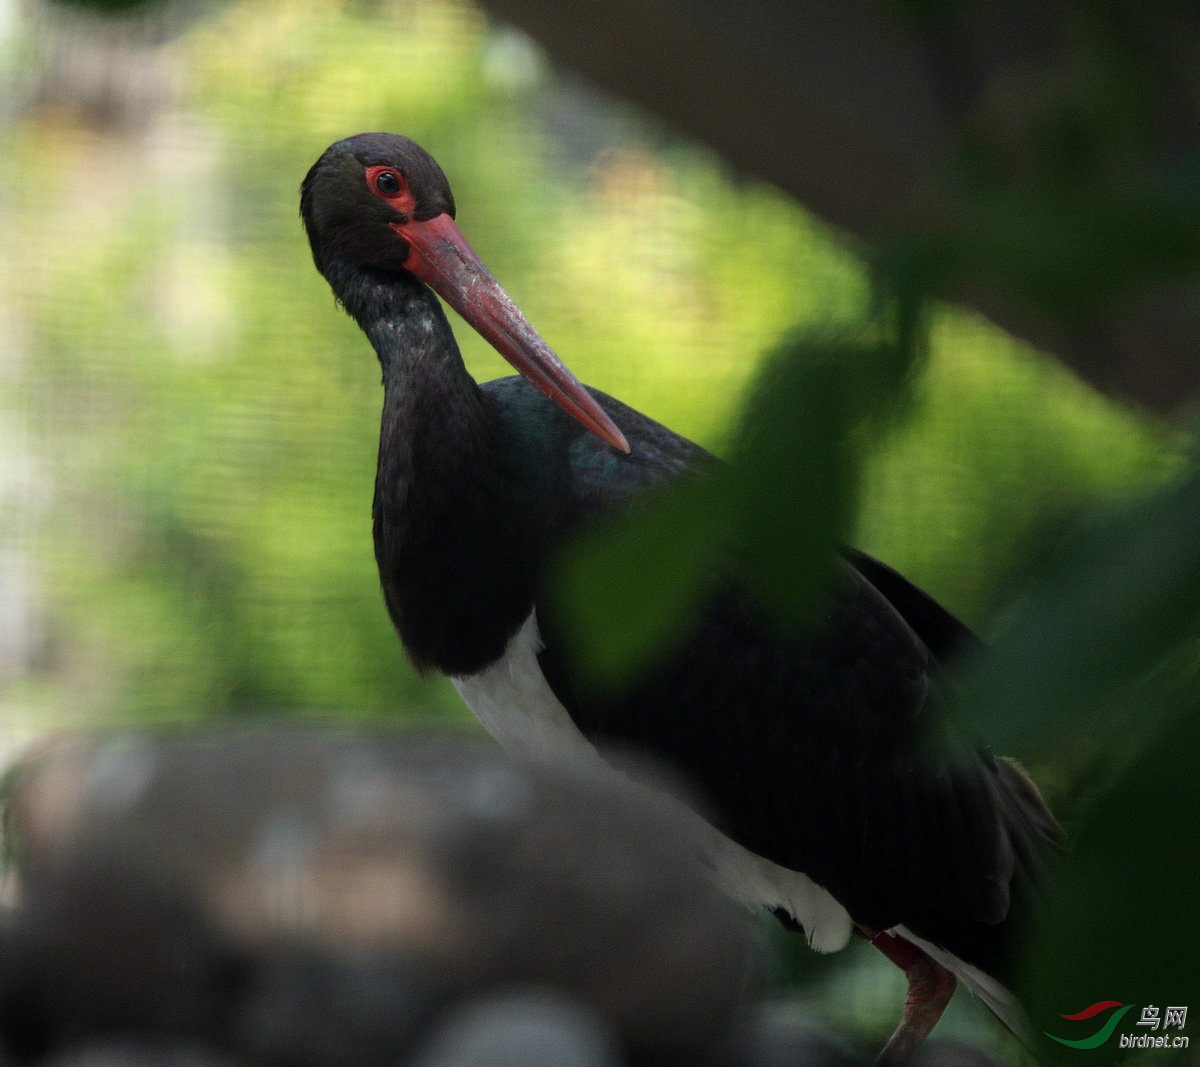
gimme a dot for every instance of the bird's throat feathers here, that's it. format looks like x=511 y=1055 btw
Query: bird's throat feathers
x=404 y=321
x=456 y=522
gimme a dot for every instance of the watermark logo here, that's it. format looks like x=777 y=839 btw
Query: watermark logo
x=1094 y=1040
x=1109 y=1014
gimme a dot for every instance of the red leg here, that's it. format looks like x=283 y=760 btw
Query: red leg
x=930 y=987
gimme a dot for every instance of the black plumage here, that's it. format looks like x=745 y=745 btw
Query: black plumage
x=831 y=755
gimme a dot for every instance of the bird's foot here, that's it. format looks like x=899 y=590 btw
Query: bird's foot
x=930 y=987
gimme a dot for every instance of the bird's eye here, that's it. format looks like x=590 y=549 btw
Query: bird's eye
x=387 y=182
x=389 y=185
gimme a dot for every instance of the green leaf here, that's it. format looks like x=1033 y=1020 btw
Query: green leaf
x=624 y=590
x=1110 y=609
x=628 y=591
x=1123 y=924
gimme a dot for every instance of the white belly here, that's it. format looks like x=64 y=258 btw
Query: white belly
x=517 y=707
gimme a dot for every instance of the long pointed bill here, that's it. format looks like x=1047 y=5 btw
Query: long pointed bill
x=443 y=260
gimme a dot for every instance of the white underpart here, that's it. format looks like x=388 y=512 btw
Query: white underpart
x=516 y=706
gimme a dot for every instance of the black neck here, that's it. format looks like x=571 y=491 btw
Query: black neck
x=455 y=537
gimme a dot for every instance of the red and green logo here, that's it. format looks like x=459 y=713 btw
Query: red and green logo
x=1153 y=1016
x=1098 y=1038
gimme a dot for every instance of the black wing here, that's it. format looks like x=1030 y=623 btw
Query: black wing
x=942 y=633
x=831 y=755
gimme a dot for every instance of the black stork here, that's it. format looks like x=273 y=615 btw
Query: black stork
x=828 y=806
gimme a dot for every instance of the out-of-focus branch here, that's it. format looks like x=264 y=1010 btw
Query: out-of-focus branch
x=932 y=125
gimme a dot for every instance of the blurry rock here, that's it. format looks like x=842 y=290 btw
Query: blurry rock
x=105 y=950
x=520 y=1030
x=942 y=1053
x=9 y=981
x=134 y=1054
x=779 y=1036
x=221 y=882
x=338 y=1010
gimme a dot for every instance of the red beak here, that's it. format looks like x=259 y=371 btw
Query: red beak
x=443 y=260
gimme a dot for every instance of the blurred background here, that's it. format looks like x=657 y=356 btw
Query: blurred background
x=188 y=425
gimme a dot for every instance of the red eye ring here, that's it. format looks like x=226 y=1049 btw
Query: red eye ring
x=389 y=185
